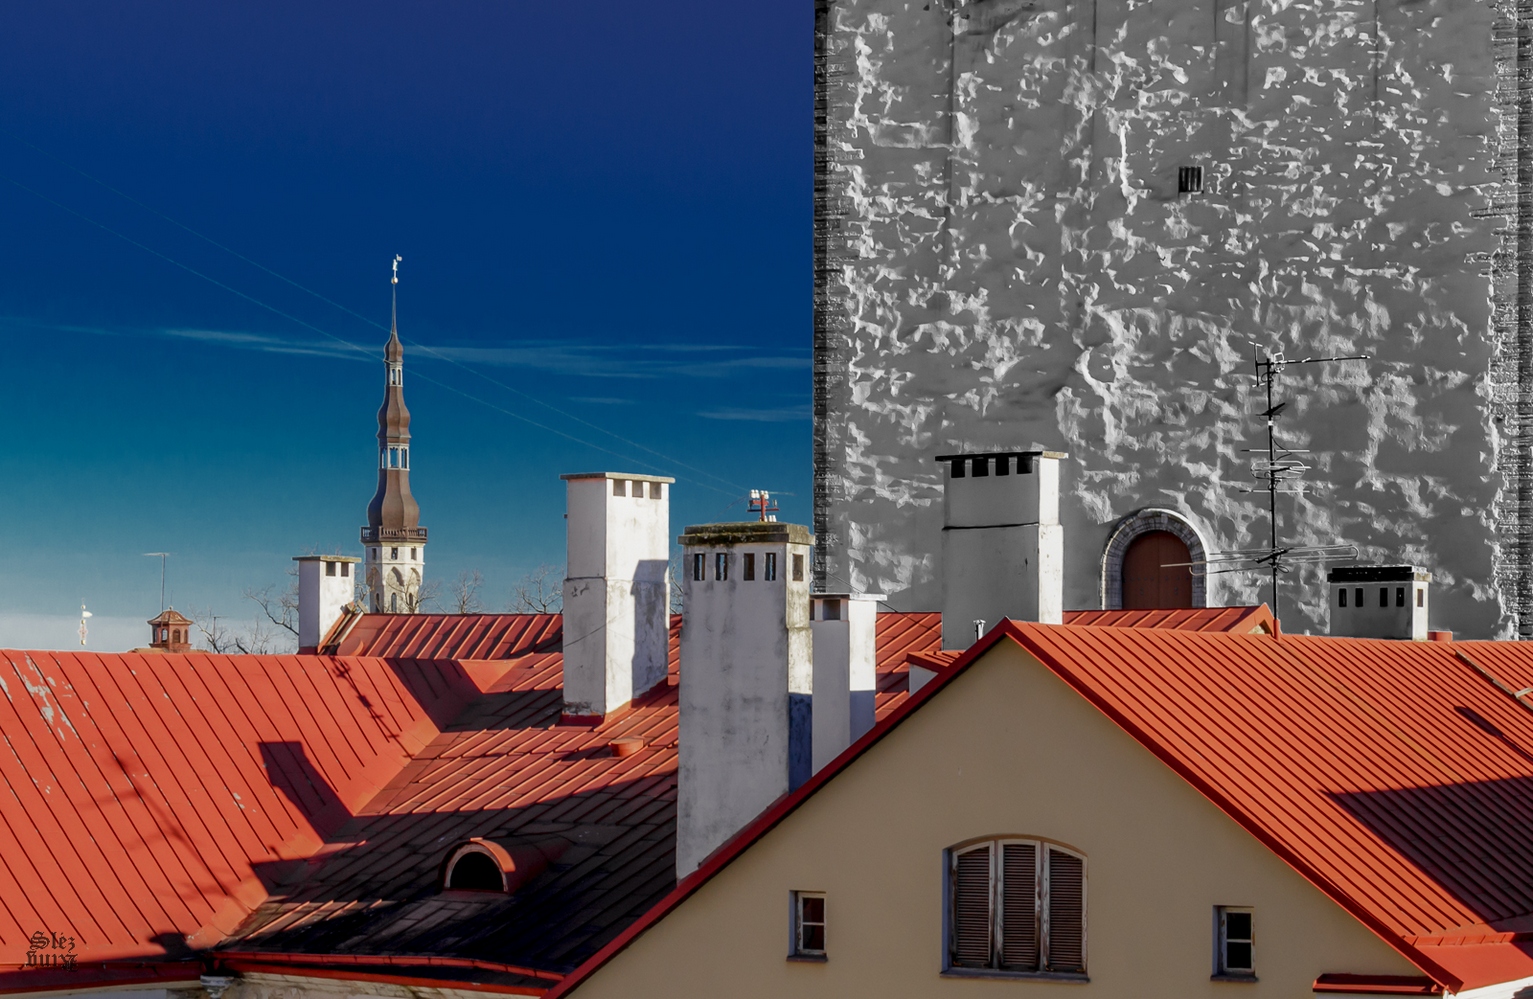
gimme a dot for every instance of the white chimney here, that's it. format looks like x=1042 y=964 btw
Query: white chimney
x=746 y=679
x=1003 y=549
x=845 y=631
x=616 y=589
x=1379 y=601
x=326 y=584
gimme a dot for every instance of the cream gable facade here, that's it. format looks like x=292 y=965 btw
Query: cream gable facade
x=1005 y=749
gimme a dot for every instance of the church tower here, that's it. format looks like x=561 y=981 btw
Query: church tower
x=393 y=539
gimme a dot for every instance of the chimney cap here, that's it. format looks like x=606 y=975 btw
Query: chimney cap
x=1002 y=454
x=325 y=558
x=744 y=533
x=616 y=475
x=1378 y=574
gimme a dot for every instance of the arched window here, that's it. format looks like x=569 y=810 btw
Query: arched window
x=1016 y=906
x=1140 y=567
x=475 y=871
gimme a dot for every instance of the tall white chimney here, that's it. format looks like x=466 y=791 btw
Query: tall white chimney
x=1003 y=549
x=1379 y=601
x=746 y=679
x=845 y=631
x=616 y=589
x=326 y=584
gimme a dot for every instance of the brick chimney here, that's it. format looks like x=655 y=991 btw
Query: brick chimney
x=844 y=628
x=746 y=678
x=1379 y=601
x=326 y=584
x=1002 y=544
x=616 y=589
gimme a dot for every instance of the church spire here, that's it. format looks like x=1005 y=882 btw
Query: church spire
x=396 y=543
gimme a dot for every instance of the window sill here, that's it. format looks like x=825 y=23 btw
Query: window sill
x=808 y=958
x=1024 y=976
x=1233 y=978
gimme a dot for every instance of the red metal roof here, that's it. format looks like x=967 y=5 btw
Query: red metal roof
x=1394 y=776
x=1240 y=620
x=149 y=804
x=447 y=636
x=149 y=800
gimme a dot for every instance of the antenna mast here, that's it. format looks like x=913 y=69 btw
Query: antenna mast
x=162 y=556
x=1279 y=465
x=394 y=297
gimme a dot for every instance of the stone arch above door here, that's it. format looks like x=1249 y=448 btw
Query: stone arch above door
x=1134 y=526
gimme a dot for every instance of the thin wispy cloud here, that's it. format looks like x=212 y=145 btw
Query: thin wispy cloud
x=781 y=414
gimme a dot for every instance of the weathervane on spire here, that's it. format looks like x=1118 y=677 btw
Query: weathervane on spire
x=394 y=288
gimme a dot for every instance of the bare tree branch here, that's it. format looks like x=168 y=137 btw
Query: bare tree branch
x=676 y=590
x=463 y=592
x=540 y=591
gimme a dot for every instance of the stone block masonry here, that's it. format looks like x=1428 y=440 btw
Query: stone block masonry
x=1067 y=224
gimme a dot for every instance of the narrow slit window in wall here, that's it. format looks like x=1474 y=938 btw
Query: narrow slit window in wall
x=1189 y=180
x=697 y=567
x=748 y=565
x=769 y=567
x=721 y=566
x=798 y=568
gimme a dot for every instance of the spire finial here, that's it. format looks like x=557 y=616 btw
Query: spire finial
x=394 y=302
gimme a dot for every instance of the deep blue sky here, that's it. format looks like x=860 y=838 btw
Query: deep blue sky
x=605 y=206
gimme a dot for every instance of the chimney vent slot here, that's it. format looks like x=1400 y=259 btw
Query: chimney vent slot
x=619 y=487
x=981 y=467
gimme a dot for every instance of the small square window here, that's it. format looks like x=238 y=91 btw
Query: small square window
x=769 y=567
x=981 y=467
x=1189 y=180
x=748 y=565
x=654 y=490
x=393 y=553
x=832 y=610
x=329 y=568
x=957 y=468
x=412 y=554
x=808 y=924
x=1237 y=942
x=620 y=487
x=697 y=567
x=798 y=568
x=721 y=566
x=345 y=568
x=1341 y=597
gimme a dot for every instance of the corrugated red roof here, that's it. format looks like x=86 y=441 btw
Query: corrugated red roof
x=1397 y=777
x=149 y=804
x=1233 y=619
x=448 y=636
x=151 y=799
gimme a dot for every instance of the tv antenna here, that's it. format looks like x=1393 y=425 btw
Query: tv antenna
x=761 y=503
x=162 y=556
x=1280 y=468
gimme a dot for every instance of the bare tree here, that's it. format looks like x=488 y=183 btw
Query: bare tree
x=463 y=592
x=540 y=591
x=424 y=594
x=261 y=638
x=676 y=583
x=281 y=609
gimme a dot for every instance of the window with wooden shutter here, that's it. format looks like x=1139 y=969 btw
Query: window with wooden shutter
x=972 y=895
x=1018 y=907
x=1067 y=912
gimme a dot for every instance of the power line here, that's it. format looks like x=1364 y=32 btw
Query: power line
x=349 y=311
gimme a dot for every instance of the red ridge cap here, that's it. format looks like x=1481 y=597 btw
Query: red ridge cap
x=391 y=960
x=17 y=978
x=1392 y=985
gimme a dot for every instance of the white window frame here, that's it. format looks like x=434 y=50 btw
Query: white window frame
x=1222 y=940
x=1046 y=849
x=796 y=947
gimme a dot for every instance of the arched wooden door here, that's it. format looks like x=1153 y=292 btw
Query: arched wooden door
x=1152 y=579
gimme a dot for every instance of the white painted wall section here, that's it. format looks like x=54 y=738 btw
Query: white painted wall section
x=616 y=589
x=747 y=677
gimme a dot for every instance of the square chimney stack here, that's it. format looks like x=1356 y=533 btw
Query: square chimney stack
x=844 y=627
x=746 y=679
x=1379 y=601
x=1003 y=548
x=617 y=591
x=326 y=584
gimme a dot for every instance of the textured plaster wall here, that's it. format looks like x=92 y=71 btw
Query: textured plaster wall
x=1006 y=261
